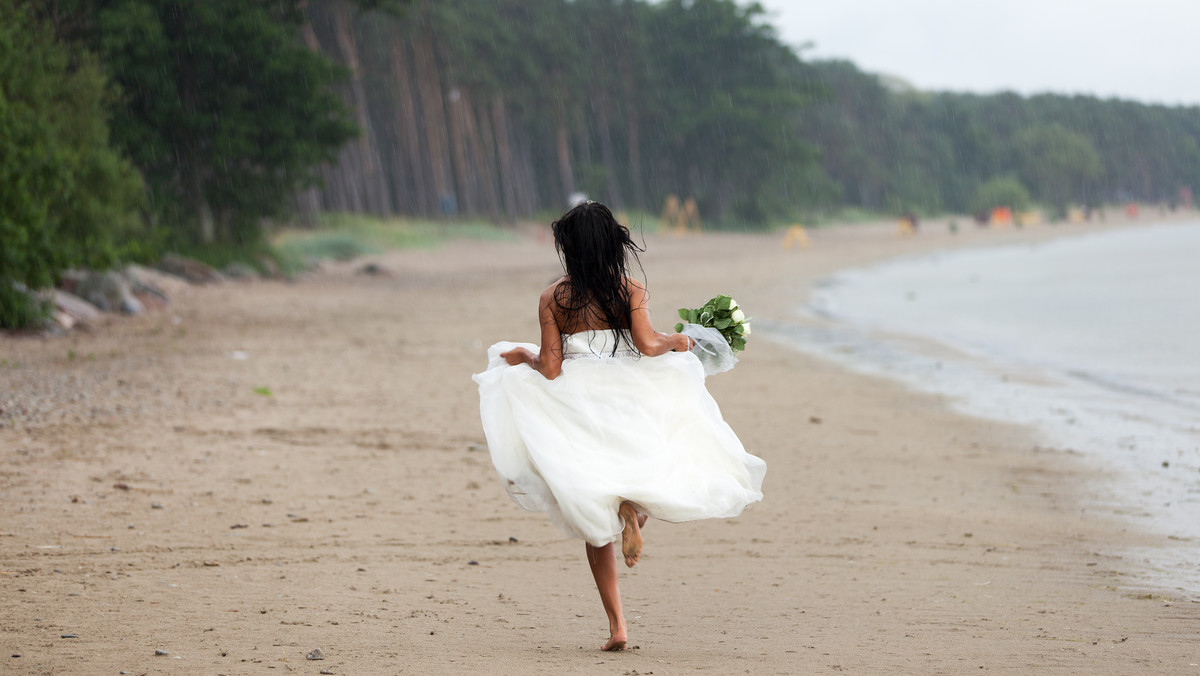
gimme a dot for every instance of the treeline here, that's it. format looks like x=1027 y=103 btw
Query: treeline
x=886 y=147
x=194 y=124
x=128 y=127
x=503 y=108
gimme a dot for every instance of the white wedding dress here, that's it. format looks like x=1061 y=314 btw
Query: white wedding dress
x=613 y=428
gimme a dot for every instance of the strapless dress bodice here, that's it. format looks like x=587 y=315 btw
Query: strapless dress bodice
x=597 y=343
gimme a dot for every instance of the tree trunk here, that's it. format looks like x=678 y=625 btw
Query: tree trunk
x=508 y=170
x=208 y=229
x=600 y=105
x=634 y=144
x=462 y=171
x=365 y=154
x=307 y=204
x=338 y=178
x=308 y=201
x=563 y=145
x=416 y=163
x=484 y=162
x=433 y=113
x=527 y=195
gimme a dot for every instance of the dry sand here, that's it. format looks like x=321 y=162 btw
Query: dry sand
x=151 y=499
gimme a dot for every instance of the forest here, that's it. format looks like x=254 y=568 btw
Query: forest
x=502 y=108
x=132 y=127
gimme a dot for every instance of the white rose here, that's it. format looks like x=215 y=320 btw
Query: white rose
x=738 y=316
x=733 y=304
x=746 y=329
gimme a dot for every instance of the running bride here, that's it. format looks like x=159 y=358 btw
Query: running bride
x=608 y=422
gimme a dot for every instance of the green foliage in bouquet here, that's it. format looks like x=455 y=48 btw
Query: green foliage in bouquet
x=723 y=314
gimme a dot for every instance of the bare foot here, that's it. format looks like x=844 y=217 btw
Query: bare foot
x=631 y=535
x=615 y=642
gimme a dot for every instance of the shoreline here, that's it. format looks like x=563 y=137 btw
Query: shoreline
x=1066 y=411
x=354 y=509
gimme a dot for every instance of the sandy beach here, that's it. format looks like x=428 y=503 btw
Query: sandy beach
x=267 y=468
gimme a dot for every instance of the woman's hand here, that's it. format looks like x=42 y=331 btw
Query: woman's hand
x=517 y=355
x=682 y=343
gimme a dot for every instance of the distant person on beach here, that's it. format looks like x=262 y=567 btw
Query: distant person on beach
x=608 y=422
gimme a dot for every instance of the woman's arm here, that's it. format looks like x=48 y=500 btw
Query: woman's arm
x=648 y=341
x=548 y=360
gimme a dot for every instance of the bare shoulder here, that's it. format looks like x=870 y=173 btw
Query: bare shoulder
x=637 y=292
x=549 y=292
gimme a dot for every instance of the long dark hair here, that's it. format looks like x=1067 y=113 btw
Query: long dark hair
x=595 y=251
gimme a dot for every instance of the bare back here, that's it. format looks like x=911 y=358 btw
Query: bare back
x=589 y=318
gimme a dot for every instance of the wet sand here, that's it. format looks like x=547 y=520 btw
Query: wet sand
x=152 y=499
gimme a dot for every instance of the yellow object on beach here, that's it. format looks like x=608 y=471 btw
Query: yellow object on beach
x=1029 y=217
x=670 y=213
x=690 y=220
x=905 y=227
x=796 y=236
x=679 y=218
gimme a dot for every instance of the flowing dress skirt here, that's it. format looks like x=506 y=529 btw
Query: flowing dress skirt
x=613 y=428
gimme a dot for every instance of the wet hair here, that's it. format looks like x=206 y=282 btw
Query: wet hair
x=595 y=251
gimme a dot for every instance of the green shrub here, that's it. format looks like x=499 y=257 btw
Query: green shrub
x=342 y=236
x=1002 y=191
x=66 y=197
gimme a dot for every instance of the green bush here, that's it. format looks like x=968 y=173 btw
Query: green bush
x=325 y=245
x=66 y=197
x=1002 y=191
x=342 y=236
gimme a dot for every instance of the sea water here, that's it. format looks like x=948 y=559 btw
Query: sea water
x=1093 y=341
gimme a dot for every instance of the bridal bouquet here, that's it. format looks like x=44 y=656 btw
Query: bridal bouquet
x=722 y=314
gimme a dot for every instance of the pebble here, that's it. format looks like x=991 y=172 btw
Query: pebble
x=161 y=652
x=315 y=654
x=70 y=636
x=156 y=505
x=472 y=563
x=325 y=671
